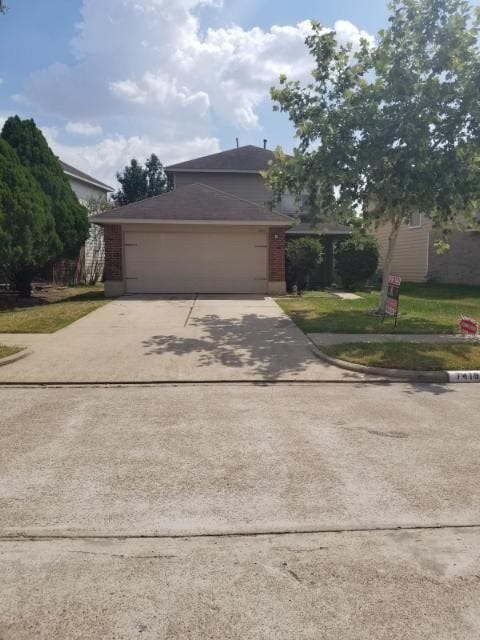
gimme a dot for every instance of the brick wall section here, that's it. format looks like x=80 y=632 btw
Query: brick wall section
x=276 y=254
x=113 y=252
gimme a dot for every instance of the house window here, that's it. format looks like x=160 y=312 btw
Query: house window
x=415 y=220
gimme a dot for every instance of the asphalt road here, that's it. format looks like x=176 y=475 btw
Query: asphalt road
x=240 y=511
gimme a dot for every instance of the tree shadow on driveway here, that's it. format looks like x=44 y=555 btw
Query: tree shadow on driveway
x=269 y=347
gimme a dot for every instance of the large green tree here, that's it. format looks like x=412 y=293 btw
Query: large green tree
x=28 y=239
x=139 y=182
x=391 y=128
x=71 y=219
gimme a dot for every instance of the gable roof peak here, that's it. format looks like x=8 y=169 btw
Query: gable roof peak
x=246 y=159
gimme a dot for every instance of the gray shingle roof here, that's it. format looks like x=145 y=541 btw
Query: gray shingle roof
x=247 y=158
x=81 y=175
x=196 y=203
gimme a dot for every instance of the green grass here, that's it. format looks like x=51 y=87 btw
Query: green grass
x=424 y=308
x=49 y=310
x=8 y=351
x=408 y=355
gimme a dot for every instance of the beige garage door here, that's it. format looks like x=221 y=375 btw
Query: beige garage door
x=196 y=262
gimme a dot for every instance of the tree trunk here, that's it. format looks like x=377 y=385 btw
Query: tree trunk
x=392 y=241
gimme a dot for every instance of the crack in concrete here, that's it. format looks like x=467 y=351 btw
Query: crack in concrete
x=18 y=537
x=124 y=555
x=191 y=309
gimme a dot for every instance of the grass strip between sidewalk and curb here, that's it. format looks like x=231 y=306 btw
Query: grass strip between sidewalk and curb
x=408 y=355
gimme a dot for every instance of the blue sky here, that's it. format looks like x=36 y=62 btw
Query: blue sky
x=112 y=79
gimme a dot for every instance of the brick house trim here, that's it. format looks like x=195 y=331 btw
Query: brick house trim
x=113 y=252
x=276 y=254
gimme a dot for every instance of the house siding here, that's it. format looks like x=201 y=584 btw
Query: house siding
x=250 y=186
x=411 y=259
x=459 y=265
x=84 y=191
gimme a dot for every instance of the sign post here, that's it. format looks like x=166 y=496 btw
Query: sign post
x=393 y=298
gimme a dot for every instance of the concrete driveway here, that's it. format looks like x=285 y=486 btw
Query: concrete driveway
x=265 y=512
x=168 y=338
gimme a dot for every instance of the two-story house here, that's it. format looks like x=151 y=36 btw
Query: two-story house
x=214 y=233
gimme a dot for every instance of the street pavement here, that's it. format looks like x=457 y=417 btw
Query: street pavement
x=280 y=511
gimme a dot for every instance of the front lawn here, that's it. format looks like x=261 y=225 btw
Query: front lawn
x=424 y=308
x=8 y=351
x=408 y=355
x=49 y=309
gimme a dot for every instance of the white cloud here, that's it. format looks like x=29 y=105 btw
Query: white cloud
x=103 y=159
x=1 y=81
x=145 y=69
x=83 y=128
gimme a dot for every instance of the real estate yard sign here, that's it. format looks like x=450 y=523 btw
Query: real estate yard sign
x=393 y=296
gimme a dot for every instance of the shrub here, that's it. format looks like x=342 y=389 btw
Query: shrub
x=303 y=257
x=356 y=260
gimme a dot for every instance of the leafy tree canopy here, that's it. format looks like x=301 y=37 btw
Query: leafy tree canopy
x=71 y=221
x=389 y=129
x=139 y=182
x=28 y=239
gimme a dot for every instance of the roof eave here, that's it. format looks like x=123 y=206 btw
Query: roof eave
x=99 y=185
x=253 y=223
x=193 y=170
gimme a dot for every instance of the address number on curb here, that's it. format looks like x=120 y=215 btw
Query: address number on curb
x=464 y=376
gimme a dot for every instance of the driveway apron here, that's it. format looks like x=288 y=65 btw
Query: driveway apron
x=177 y=338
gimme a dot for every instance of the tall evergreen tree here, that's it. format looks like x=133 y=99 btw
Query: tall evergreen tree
x=157 y=182
x=139 y=182
x=71 y=219
x=28 y=239
x=133 y=182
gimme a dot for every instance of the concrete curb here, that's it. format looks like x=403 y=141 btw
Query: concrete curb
x=400 y=375
x=15 y=357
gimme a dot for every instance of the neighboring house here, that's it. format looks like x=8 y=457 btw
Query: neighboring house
x=214 y=233
x=84 y=186
x=91 y=259
x=416 y=258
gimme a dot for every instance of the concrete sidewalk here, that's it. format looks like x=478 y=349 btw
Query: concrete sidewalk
x=327 y=339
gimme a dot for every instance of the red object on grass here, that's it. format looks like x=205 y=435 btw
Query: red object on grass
x=468 y=325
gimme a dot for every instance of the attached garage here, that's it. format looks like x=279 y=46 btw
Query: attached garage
x=198 y=259
x=194 y=240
